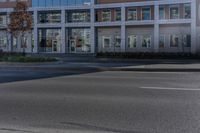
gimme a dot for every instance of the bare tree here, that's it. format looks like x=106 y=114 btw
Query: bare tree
x=20 y=22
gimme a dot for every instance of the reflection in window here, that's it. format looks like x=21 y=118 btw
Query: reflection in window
x=117 y=42
x=3 y=20
x=51 y=3
x=162 y=41
x=117 y=15
x=146 y=13
x=49 y=17
x=78 y=16
x=49 y=40
x=187 y=11
x=161 y=13
x=174 y=12
x=187 y=40
x=132 y=41
x=3 y=41
x=174 y=40
x=79 y=40
x=106 y=15
x=132 y=14
x=106 y=41
x=146 y=41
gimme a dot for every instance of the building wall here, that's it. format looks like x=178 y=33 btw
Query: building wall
x=117 y=1
x=11 y=4
x=154 y=27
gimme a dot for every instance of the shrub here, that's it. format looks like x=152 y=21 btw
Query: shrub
x=149 y=55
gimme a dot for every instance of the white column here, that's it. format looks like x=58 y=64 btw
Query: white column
x=123 y=29
x=193 y=27
x=9 y=36
x=92 y=2
x=9 y=42
x=35 y=32
x=63 y=42
x=92 y=28
x=156 y=28
x=29 y=45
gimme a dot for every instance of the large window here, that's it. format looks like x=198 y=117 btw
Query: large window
x=52 y=3
x=161 y=13
x=49 y=17
x=79 y=40
x=132 y=14
x=146 y=41
x=117 y=41
x=187 y=11
x=174 y=40
x=174 y=12
x=49 y=40
x=3 y=20
x=3 y=41
x=187 y=40
x=162 y=41
x=146 y=13
x=106 y=41
x=106 y=15
x=132 y=41
x=78 y=16
x=117 y=15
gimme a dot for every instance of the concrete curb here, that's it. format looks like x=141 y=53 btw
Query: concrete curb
x=99 y=69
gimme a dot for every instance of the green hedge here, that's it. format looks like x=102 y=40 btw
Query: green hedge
x=149 y=55
x=21 y=58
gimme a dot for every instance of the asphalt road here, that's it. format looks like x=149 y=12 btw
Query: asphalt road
x=102 y=102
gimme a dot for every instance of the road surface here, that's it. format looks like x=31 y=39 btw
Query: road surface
x=101 y=102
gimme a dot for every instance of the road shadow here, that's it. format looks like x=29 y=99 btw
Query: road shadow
x=15 y=75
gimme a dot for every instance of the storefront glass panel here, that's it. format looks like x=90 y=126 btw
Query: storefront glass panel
x=79 y=40
x=50 y=40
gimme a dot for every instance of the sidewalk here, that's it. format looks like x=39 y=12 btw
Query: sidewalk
x=111 y=65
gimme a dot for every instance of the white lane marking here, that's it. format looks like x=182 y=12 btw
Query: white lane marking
x=168 y=88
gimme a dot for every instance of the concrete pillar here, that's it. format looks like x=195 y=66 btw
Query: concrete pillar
x=63 y=42
x=193 y=28
x=29 y=43
x=35 y=32
x=156 y=28
x=92 y=28
x=123 y=29
x=9 y=37
x=92 y=2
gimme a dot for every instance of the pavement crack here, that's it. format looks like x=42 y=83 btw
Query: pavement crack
x=93 y=127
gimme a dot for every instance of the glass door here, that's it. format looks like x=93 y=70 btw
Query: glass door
x=72 y=46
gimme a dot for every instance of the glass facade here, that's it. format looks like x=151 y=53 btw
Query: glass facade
x=174 y=12
x=146 y=41
x=187 y=11
x=3 y=41
x=50 y=40
x=79 y=40
x=132 y=41
x=174 y=40
x=106 y=15
x=161 y=13
x=54 y=3
x=3 y=19
x=162 y=41
x=49 y=17
x=187 y=40
x=78 y=16
x=146 y=13
x=132 y=14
